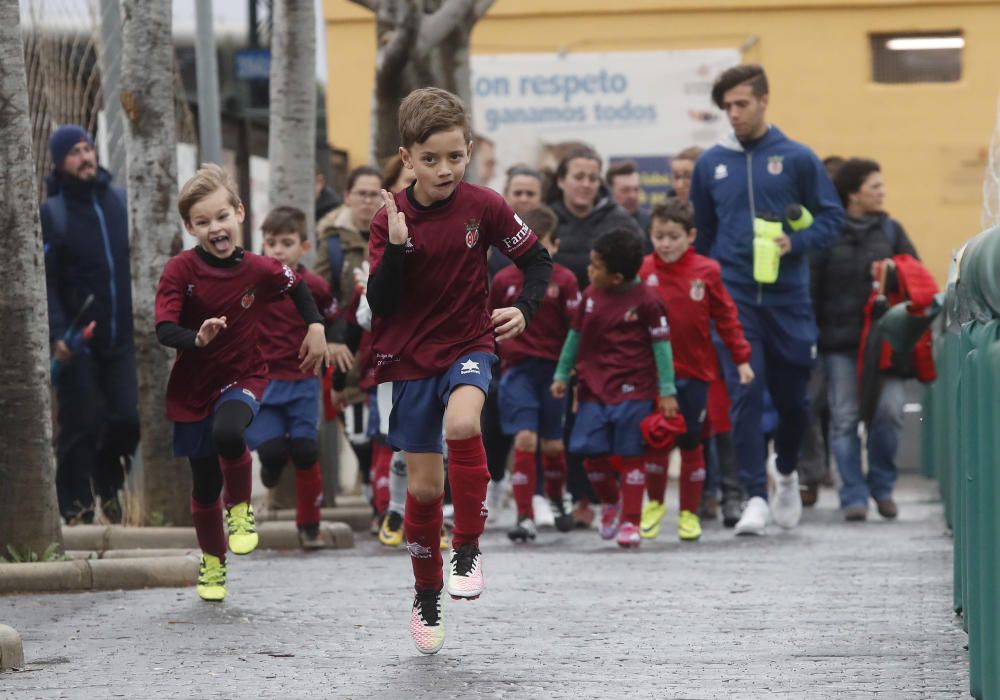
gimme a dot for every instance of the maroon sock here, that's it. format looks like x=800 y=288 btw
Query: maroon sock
x=422 y=528
x=308 y=495
x=381 y=458
x=633 y=487
x=523 y=480
x=207 y=519
x=656 y=462
x=554 y=473
x=602 y=479
x=692 y=478
x=237 y=479
x=468 y=477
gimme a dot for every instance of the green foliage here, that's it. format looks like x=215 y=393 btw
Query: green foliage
x=25 y=555
x=156 y=519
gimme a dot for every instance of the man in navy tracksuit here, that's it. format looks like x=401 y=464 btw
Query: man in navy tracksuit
x=759 y=172
x=85 y=230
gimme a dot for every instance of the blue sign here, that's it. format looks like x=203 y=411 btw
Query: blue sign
x=253 y=64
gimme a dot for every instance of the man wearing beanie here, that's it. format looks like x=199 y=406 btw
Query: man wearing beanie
x=85 y=230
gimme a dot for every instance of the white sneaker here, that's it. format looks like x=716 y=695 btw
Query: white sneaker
x=543 y=511
x=426 y=624
x=754 y=518
x=786 y=506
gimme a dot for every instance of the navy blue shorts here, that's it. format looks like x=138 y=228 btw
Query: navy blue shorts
x=417 y=418
x=692 y=398
x=609 y=429
x=526 y=402
x=290 y=408
x=194 y=440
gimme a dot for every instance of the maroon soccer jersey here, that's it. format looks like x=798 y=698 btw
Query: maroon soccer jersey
x=694 y=294
x=192 y=291
x=282 y=328
x=617 y=329
x=443 y=312
x=550 y=324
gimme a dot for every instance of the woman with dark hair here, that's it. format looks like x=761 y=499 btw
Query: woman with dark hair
x=585 y=210
x=841 y=279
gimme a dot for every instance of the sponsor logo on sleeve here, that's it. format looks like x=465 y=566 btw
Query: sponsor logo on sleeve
x=289 y=278
x=514 y=242
x=589 y=307
x=470 y=367
x=662 y=330
x=574 y=303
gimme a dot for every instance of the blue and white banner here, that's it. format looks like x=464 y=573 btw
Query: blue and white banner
x=638 y=103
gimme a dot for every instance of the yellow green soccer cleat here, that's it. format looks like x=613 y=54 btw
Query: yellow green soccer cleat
x=211 y=579
x=652 y=514
x=391 y=532
x=242 y=529
x=688 y=526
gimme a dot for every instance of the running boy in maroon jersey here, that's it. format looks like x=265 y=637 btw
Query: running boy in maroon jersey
x=208 y=307
x=619 y=344
x=527 y=408
x=434 y=338
x=691 y=287
x=286 y=426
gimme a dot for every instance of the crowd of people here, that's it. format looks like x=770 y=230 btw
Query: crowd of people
x=556 y=336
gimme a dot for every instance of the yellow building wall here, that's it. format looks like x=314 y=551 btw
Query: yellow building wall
x=931 y=139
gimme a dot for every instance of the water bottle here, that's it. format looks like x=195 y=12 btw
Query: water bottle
x=766 y=253
x=799 y=218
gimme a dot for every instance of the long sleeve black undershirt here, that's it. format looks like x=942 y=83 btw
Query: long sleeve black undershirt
x=536 y=265
x=175 y=336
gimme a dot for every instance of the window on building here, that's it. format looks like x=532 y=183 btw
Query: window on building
x=917 y=57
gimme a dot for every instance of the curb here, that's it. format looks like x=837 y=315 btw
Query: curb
x=80 y=554
x=359 y=517
x=105 y=538
x=11 y=649
x=100 y=575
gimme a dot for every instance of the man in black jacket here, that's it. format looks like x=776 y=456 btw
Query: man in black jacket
x=85 y=230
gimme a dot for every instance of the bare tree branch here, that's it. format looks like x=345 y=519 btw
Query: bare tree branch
x=393 y=56
x=482 y=7
x=367 y=4
x=451 y=15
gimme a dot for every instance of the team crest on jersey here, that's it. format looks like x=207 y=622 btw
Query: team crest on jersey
x=721 y=171
x=697 y=290
x=652 y=281
x=775 y=164
x=248 y=296
x=553 y=291
x=472 y=232
x=631 y=315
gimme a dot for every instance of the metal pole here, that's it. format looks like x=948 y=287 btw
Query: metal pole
x=209 y=122
x=110 y=56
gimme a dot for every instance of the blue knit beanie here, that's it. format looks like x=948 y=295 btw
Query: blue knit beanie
x=64 y=139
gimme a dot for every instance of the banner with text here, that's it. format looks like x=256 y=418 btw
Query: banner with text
x=647 y=104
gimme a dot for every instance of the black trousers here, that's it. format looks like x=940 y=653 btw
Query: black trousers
x=98 y=428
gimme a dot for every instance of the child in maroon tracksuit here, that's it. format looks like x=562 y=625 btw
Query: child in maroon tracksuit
x=208 y=306
x=691 y=287
x=286 y=426
x=528 y=411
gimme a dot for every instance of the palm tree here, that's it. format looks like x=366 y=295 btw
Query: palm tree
x=147 y=96
x=29 y=515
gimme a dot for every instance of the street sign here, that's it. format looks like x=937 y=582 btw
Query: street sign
x=253 y=64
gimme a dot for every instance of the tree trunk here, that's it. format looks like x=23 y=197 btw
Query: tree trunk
x=147 y=94
x=291 y=148
x=29 y=515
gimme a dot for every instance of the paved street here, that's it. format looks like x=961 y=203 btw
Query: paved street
x=831 y=610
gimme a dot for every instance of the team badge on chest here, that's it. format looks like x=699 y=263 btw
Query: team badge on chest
x=775 y=164
x=697 y=290
x=553 y=291
x=472 y=233
x=248 y=296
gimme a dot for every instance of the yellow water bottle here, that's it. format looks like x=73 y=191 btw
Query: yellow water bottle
x=766 y=253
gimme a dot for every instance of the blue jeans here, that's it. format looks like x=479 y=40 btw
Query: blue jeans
x=883 y=434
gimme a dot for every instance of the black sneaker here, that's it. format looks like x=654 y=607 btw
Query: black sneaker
x=309 y=537
x=564 y=521
x=426 y=623
x=524 y=530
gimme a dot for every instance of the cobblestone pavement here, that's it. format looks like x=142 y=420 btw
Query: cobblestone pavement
x=830 y=610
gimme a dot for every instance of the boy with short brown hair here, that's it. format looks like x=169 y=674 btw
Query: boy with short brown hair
x=434 y=338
